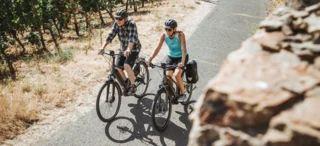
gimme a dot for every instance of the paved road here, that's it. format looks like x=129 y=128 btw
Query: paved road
x=221 y=32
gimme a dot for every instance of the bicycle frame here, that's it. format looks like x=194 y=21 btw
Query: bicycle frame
x=114 y=73
x=167 y=86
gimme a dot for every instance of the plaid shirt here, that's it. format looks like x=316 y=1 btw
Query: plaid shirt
x=127 y=34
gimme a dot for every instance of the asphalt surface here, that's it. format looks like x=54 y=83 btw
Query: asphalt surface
x=220 y=33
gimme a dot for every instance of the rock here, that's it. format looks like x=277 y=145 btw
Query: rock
x=267 y=93
x=297 y=127
x=270 y=41
x=270 y=25
x=300 y=4
x=313 y=23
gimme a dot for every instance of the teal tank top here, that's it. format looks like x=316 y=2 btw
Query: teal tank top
x=174 y=46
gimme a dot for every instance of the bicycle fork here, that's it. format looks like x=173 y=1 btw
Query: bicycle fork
x=111 y=83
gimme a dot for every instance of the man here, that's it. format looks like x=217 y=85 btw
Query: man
x=129 y=45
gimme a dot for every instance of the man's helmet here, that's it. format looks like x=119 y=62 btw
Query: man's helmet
x=121 y=13
x=170 y=23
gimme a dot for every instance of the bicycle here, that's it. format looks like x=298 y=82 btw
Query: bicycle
x=110 y=93
x=166 y=96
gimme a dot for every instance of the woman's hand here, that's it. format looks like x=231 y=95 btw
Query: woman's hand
x=180 y=65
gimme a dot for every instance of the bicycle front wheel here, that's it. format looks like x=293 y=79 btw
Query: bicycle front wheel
x=108 y=101
x=142 y=79
x=161 y=110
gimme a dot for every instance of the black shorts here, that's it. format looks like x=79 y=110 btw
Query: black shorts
x=175 y=61
x=121 y=60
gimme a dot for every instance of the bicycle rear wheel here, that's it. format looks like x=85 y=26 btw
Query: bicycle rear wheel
x=161 y=110
x=142 y=79
x=108 y=101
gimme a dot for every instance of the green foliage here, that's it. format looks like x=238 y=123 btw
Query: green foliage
x=27 y=58
x=34 y=38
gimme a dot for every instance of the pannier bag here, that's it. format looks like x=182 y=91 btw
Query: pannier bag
x=192 y=72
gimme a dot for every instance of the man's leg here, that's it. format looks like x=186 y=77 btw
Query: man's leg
x=122 y=73
x=119 y=63
x=129 y=62
x=130 y=73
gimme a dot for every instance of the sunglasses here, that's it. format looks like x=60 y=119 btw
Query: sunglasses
x=120 y=19
x=168 y=29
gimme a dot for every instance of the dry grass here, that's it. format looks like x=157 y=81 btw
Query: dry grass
x=273 y=4
x=56 y=82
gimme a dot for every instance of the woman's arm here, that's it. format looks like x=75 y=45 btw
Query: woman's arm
x=156 y=51
x=183 y=47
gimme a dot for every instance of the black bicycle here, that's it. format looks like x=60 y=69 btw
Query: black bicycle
x=109 y=97
x=166 y=96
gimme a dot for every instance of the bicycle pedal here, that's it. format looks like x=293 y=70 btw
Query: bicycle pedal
x=175 y=101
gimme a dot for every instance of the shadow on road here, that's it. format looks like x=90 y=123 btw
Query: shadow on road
x=124 y=130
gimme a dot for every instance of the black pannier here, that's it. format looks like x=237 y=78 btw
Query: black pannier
x=192 y=72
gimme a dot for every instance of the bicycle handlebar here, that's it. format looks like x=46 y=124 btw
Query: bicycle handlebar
x=110 y=53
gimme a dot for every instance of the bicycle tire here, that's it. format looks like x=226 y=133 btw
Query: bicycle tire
x=142 y=80
x=188 y=88
x=161 y=107
x=104 y=105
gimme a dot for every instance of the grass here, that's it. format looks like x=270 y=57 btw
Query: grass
x=64 y=56
x=252 y=26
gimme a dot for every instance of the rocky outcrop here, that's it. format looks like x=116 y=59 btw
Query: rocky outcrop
x=268 y=91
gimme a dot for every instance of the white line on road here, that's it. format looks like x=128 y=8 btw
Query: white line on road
x=207 y=62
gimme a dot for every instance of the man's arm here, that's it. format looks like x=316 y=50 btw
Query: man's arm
x=133 y=33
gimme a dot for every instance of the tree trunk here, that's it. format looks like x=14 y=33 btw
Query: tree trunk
x=38 y=25
x=54 y=39
x=135 y=7
x=14 y=34
x=42 y=39
x=110 y=14
x=56 y=26
x=87 y=20
x=11 y=68
x=76 y=24
x=101 y=18
x=127 y=3
x=142 y=5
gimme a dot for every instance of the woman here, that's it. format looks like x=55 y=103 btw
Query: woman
x=177 y=53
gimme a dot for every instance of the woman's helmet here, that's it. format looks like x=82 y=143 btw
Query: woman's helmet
x=170 y=23
x=121 y=13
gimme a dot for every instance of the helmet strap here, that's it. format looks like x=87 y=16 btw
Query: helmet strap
x=173 y=32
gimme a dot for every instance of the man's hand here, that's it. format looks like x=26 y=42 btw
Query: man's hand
x=127 y=53
x=148 y=62
x=100 y=51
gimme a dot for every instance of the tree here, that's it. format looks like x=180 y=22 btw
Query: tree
x=13 y=19
x=5 y=57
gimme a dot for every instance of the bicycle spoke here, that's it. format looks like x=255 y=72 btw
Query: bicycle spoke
x=161 y=111
x=108 y=107
x=142 y=79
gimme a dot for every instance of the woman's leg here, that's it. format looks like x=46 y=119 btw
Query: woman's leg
x=177 y=75
x=170 y=73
